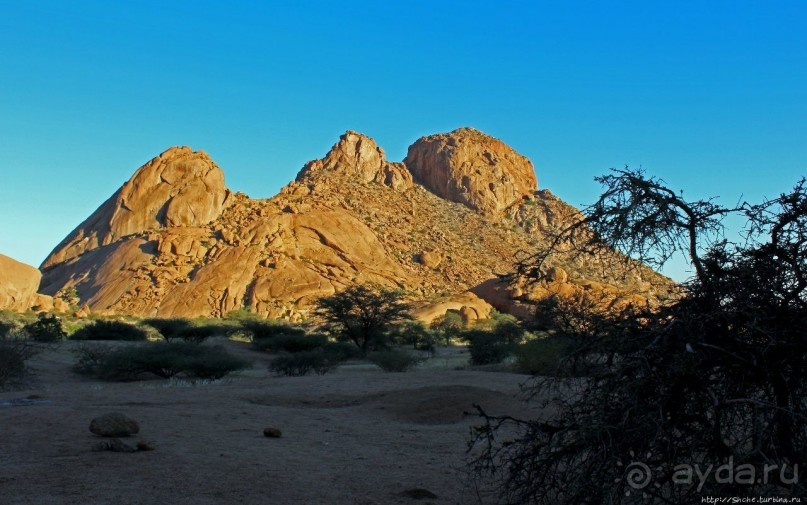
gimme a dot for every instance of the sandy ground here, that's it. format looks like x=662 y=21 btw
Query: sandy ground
x=357 y=436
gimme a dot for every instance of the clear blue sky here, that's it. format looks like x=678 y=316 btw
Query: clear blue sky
x=711 y=96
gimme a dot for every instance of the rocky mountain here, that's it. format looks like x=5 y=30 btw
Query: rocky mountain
x=441 y=225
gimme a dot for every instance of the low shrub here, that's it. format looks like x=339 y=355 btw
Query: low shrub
x=393 y=360
x=241 y=314
x=215 y=363
x=486 y=347
x=89 y=358
x=7 y=328
x=342 y=351
x=198 y=333
x=494 y=339
x=46 y=328
x=301 y=363
x=109 y=330
x=172 y=329
x=541 y=356
x=169 y=328
x=166 y=360
x=414 y=333
x=268 y=328
x=504 y=325
x=290 y=342
x=13 y=356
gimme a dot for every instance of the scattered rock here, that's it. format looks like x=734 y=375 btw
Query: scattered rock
x=145 y=446
x=430 y=259
x=114 y=425
x=272 y=433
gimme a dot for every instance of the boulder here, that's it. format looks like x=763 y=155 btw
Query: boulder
x=18 y=285
x=499 y=293
x=42 y=303
x=272 y=433
x=430 y=259
x=472 y=168
x=114 y=424
x=468 y=305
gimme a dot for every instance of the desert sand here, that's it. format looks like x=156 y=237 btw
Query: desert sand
x=356 y=436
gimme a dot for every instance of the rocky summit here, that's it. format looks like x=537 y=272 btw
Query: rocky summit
x=472 y=168
x=441 y=225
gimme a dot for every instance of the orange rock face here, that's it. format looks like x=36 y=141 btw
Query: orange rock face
x=472 y=168
x=18 y=284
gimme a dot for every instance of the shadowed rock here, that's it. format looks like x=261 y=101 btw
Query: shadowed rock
x=272 y=433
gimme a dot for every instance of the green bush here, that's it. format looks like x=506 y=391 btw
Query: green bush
x=198 y=333
x=393 y=361
x=414 y=333
x=448 y=326
x=301 y=363
x=169 y=328
x=342 y=351
x=504 y=325
x=109 y=330
x=214 y=364
x=492 y=340
x=6 y=328
x=46 y=329
x=486 y=347
x=269 y=328
x=13 y=355
x=168 y=359
x=242 y=314
x=541 y=356
x=290 y=342
x=183 y=329
x=89 y=358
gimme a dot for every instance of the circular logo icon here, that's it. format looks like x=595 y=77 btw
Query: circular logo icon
x=638 y=475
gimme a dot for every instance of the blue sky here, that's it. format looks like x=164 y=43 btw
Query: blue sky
x=711 y=96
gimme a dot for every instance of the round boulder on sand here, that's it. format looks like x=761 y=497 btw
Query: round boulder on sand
x=114 y=425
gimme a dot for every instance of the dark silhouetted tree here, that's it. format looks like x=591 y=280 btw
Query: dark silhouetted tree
x=716 y=376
